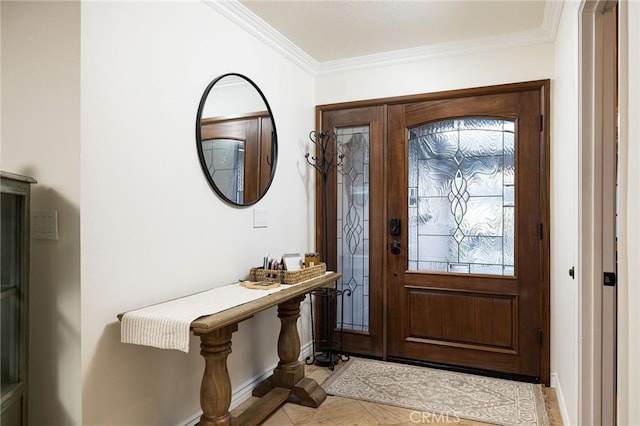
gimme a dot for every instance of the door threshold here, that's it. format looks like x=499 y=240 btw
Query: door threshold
x=466 y=370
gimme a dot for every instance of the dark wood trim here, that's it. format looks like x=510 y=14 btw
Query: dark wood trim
x=234 y=117
x=447 y=94
x=318 y=206
x=385 y=240
x=545 y=214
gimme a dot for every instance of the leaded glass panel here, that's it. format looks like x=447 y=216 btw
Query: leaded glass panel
x=353 y=226
x=461 y=197
x=225 y=161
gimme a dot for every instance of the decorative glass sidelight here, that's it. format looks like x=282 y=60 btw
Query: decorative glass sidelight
x=462 y=196
x=353 y=226
x=225 y=163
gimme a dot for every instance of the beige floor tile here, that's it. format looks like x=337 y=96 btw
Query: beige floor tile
x=318 y=374
x=387 y=414
x=299 y=414
x=555 y=418
x=334 y=411
x=279 y=418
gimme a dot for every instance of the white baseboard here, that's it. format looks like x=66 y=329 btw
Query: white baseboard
x=244 y=391
x=555 y=383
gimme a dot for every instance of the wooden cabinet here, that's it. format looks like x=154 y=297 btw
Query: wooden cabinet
x=14 y=282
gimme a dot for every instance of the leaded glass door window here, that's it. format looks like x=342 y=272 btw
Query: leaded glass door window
x=461 y=199
x=353 y=225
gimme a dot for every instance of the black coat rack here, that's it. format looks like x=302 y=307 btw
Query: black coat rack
x=326 y=351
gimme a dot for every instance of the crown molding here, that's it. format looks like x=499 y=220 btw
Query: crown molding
x=250 y=22
x=442 y=50
x=254 y=25
x=551 y=18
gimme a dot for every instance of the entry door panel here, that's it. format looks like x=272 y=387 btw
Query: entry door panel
x=466 y=287
x=356 y=207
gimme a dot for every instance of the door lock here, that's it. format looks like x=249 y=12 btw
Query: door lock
x=395 y=247
x=394 y=226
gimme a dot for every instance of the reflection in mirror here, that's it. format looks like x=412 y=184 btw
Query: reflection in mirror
x=225 y=163
x=236 y=139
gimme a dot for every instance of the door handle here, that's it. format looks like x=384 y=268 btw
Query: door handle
x=395 y=247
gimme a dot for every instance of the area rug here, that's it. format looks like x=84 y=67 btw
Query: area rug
x=448 y=394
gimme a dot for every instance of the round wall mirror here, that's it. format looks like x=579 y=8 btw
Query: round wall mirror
x=236 y=139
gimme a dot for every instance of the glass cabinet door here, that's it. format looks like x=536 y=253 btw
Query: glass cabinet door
x=14 y=284
x=12 y=212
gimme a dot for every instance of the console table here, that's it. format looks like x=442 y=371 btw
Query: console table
x=288 y=382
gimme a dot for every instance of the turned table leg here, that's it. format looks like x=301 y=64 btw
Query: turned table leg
x=289 y=370
x=215 y=391
x=289 y=374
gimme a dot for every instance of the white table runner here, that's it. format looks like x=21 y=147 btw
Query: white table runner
x=166 y=325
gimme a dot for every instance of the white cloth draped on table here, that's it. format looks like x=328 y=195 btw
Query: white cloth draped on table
x=166 y=325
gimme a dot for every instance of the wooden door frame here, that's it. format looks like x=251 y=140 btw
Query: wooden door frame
x=543 y=86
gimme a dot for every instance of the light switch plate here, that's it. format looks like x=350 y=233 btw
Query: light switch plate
x=260 y=218
x=44 y=224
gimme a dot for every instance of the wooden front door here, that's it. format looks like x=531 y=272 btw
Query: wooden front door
x=465 y=273
x=438 y=221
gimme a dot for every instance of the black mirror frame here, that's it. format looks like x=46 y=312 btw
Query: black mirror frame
x=203 y=165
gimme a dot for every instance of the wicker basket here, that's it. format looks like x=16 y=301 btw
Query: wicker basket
x=287 y=277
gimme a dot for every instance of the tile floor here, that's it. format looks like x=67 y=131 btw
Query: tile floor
x=343 y=411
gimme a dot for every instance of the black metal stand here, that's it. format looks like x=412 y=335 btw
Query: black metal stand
x=327 y=351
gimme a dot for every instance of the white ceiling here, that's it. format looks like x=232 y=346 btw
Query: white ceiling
x=324 y=35
x=331 y=30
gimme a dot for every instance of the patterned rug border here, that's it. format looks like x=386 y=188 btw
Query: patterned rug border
x=538 y=393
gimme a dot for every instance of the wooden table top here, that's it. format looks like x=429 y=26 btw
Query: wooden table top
x=247 y=310
x=209 y=323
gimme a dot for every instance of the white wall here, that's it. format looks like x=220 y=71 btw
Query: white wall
x=41 y=138
x=564 y=215
x=152 y=229
x=432 y=75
